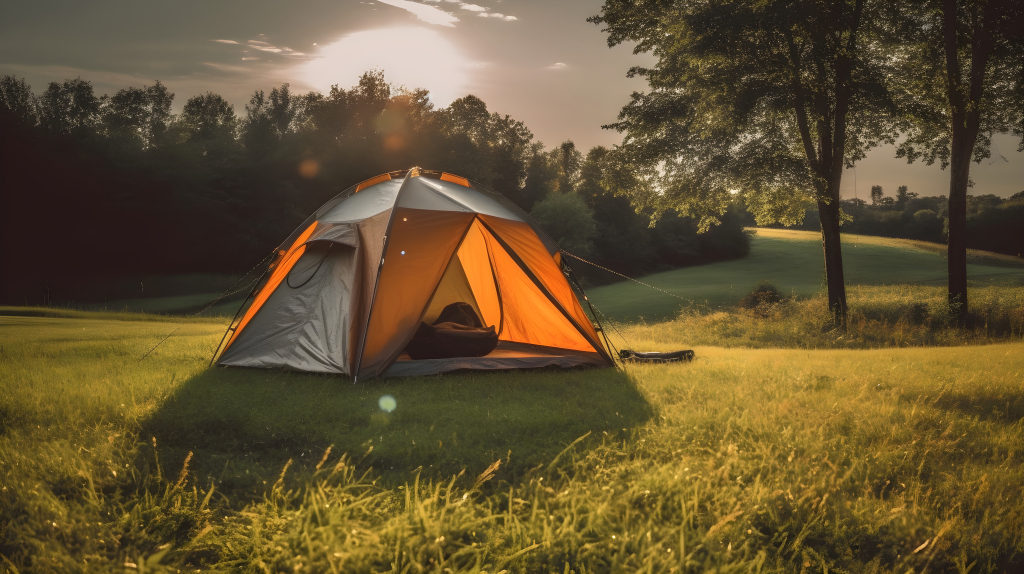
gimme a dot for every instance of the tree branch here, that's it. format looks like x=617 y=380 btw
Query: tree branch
x=799 y=102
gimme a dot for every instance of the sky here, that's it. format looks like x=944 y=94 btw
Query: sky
x=538 y=61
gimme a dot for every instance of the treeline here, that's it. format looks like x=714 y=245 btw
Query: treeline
x=993 y=223
x=102 y=186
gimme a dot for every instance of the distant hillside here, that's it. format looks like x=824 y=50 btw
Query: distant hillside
x=792 y=261
x=993 y=223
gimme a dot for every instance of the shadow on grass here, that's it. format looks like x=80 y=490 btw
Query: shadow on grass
x=1005 y=408
x=243 y=425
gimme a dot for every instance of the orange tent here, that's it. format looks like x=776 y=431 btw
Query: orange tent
x=348 y=290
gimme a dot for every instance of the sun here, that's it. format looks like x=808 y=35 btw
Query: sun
x=412 y=57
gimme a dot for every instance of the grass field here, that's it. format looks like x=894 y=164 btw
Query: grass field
x=773 y=460
x=785 y=447
x=792 y=261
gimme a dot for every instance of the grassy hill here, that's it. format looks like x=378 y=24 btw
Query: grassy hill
x=792 y=261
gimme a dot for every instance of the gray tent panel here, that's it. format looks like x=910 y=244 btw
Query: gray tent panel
x=347 y=234
x=472 y=199
x=304 y=324
x=420 y=193
x=368 y=202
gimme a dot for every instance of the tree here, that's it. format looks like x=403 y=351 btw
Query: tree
x=568 y=220
x=964 y=80
x=772 y=99
x=207 y=118
x=69 y=107
x=126 y=114
x=16 y=97
x=567 y=160
x=876 y=194
x=624 y=242
x=465 y=126
x=541 y=178
x=903 y=196
x=257 y=129
x=510 y=154
x=367 y=100
x=160 y=100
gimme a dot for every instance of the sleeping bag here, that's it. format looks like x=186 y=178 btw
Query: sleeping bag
x=457 y=332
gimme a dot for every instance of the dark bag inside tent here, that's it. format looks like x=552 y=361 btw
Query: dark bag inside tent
x=457 y=332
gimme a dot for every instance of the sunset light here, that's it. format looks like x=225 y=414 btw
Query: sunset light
x=663 y=286
x=413 y=57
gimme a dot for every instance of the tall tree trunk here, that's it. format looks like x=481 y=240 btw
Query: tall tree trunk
x=828 y=212
x=828 y=160
x=965 y=117
x=960 y=167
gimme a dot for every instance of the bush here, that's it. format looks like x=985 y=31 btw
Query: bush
x=762 y=300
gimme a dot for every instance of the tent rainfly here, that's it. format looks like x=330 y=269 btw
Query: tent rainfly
x=349 y=289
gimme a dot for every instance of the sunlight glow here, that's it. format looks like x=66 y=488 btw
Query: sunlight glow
x=412 y=57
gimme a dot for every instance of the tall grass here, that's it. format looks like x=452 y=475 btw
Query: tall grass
x=879 y=317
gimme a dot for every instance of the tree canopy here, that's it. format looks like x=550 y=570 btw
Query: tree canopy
x=209 y=190
x=768 y=101
x=962 y=80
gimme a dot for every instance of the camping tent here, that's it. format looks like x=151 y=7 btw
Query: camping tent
x=349 y=288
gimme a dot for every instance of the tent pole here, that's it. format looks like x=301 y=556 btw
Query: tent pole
x=380 y=267
x=592 y=310
x=233 y=319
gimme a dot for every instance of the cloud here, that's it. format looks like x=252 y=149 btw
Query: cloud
x=481 y=10
x=428 y=14
x=557 y=66
x=264 y=46
x=226 y=67
x=497 y=15
x=283 y=51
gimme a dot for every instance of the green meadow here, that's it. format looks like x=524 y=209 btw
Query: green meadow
x=895 y=446
x=792 y=261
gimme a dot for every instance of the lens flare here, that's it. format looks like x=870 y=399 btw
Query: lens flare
x=309 y=168
x=387 y=403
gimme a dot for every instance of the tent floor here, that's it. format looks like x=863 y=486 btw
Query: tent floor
x=507 y=356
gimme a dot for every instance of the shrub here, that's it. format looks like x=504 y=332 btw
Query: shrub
x=762 y=300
